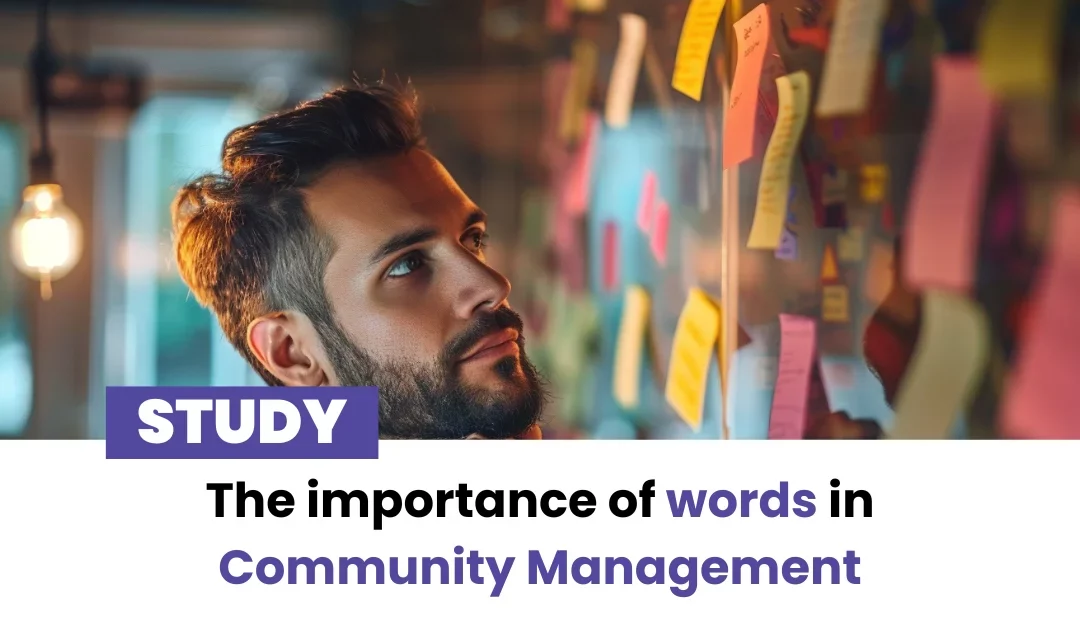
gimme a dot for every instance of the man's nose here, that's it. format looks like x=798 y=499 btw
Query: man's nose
x=480 y=287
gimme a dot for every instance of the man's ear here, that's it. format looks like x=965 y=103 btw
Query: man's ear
x=287 y=348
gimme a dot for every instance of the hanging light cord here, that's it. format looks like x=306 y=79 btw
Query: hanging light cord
x=42 y=67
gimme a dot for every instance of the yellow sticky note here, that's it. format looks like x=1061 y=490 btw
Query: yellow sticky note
x=630 y=346
x=583 y=61
x=625 y=72
x=829 y=271
x=695 y=44
x=946 y=368
x=691 y=354
x=835 y=304
x=850 y=244
x=770 y=211
x=875 y=178
x=1018 y=46
x=590 y=6
x=850 y=60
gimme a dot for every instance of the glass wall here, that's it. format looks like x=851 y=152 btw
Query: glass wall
x=16 y=377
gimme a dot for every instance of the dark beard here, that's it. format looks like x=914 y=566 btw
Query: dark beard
x=430 y=401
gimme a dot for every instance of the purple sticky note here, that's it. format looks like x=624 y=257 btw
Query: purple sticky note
x=788 y=249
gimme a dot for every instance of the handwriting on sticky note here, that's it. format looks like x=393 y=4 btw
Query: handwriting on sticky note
x=875 y=178
x=658 y=235
x=691 y=352
x=625 y=72
x=1041 y=399
x=1018 y=47
x=752 y=33
x=798 y=348
x=949 y=361
x=835 y=304
x=630 y=346
x=770 y=210
x=851 y=58
x=695 y=44
x=850 y=243
x=947 y=192
x=829 y=269
x=647 y=202
x=583 y=61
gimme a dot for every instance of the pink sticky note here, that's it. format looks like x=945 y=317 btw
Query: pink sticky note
x=647 y=201
x=1042 y=397
x=659 y=232
x=798 y=347
x=610 y=270
x=579 y=181
x=942 y=230
x=740 y=125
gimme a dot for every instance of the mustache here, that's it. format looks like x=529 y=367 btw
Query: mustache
x=487 y=323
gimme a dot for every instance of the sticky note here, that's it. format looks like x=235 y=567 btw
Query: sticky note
x=647 y=202
x=557 y=17
x=798 y=348
x=945 y=369
x=789 y=246
x=835 y=305
x=851 y=58
x=590 y=6
x=752 y=33
x=829 y=270
x=584 y=57
x=691 y=352
x=658 y=236
x=942 y=227
x=1041 y=398
x=874 y=180
x=850 y=244
x=695 y=44
x=630 y=347
x=771 y=207
x=879 y=272
x=578 y=184
x=625 y=72
x=610 y=269
x=1018 y=47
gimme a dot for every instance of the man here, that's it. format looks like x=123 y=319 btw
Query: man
x=335 y=250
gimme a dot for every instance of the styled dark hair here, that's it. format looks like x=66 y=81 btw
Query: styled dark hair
x=245 y=243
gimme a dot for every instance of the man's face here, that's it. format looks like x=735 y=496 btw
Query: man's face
x=419 y=313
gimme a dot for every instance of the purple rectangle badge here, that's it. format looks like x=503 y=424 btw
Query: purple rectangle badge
x=238 y=422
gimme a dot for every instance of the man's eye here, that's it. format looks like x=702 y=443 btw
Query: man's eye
x=476 y=241
x=412 y=262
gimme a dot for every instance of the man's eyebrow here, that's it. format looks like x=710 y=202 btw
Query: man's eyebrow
x=397 y=242
x=476 y=216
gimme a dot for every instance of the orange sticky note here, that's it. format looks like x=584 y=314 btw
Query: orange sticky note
x=798 y=347
x=835 y=304
x=829 y=270
x=695 y=44
x=1041 y=399
x=752 y=33
x=658 y=236
x=942 y=229
x=691 y=353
